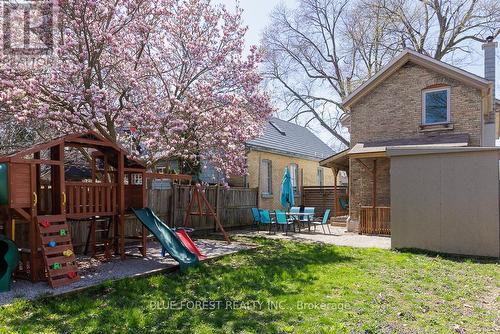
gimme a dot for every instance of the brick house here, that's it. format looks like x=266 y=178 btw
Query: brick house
x=415 y=106
x=284 y=144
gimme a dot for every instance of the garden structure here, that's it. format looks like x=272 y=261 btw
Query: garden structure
x=38 y=201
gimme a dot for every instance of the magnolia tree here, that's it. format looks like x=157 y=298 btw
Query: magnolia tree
x=172 y=71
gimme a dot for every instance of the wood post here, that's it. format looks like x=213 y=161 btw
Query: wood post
x=33 y=236
x=144 y=204
x=121 y=204
x=203 y=203
x=174 y=204
x=94 y=161
x=216 y=218
x=335 y=193
x=374 y=195
x=217 y=202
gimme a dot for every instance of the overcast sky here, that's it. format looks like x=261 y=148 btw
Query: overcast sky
x=256 y=17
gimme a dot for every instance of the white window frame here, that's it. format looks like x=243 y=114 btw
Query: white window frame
x=320 y=175
x=269 y=167
x=294 y=176
x=448 y=105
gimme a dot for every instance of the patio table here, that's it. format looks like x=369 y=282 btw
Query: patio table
x=298 y=215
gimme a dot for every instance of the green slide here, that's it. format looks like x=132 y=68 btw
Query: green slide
x=9 y=259
x=168 y=238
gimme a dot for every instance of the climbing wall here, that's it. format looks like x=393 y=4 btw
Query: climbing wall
x=57 y=250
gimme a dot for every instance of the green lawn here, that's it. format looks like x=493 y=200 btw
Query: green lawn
x=283 y=287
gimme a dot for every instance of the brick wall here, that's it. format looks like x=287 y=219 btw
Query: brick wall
x=307 y=170
x=394 y=110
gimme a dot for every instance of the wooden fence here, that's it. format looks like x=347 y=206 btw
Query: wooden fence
x=378 y=224
x=322 y=198
x=232 y=205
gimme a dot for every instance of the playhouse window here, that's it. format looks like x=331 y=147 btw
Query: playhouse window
x=436 y=106
x=136 y=179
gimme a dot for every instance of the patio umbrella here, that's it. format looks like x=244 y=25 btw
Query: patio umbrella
x=286 y=197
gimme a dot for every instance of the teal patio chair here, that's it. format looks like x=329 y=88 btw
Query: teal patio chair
x=323 y=222
x=294 y=209
x=265 y=219
x=283 y=221
x=307 y=219
x=256 y=217
x=344 y=203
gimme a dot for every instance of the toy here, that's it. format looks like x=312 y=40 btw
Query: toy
x=56 y=266
x=68 y=252
x=45 y=223
x=72 y=275
x=62 y=232
x=52 y=243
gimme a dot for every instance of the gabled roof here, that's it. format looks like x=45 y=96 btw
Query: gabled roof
x=290 y=139
x=88 y=139
x=419 y=59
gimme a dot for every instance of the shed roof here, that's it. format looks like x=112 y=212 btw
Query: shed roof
x=374 y=149
x=290 y=139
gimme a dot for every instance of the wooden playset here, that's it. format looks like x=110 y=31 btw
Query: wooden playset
x=37 y=200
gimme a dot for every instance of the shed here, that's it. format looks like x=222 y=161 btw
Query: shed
x=446 y=200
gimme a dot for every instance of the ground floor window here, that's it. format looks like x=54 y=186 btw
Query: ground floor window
x=266 y=177
x=321 y=177
x=294 y=175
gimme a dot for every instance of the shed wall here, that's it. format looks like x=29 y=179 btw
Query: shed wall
x=446 y=203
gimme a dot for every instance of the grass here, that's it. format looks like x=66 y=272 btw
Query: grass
x=283 y=287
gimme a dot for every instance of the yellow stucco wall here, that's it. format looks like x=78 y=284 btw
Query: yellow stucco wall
x=307 y=175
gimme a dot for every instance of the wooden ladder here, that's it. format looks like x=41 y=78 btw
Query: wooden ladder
x=99 y=237
x=61 y=269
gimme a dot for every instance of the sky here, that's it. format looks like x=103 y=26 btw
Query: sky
x=256 y=16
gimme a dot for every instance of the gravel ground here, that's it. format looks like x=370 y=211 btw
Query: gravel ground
x=93 y=271
x=339 y=237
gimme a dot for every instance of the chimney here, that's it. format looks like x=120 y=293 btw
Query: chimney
x=489 y=74
x=489 y=60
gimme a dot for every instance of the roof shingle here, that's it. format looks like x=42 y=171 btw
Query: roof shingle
x=290 y=139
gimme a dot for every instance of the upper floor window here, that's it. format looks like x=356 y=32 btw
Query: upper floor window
x=436 y=106
x=267 y=177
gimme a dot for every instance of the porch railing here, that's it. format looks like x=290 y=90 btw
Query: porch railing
x=85 y=199
x=376 y=221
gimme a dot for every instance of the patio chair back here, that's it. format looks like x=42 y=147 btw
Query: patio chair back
x=255 y=215
x=344 y=203
x=265 y=217
x=326 y=215
x=308 y=209
x=294 y=209
x=280 y=217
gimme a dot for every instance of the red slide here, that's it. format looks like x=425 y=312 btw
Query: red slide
x=186 y=240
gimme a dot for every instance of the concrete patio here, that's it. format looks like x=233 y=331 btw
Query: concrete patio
x=339 y=237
